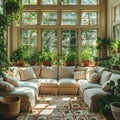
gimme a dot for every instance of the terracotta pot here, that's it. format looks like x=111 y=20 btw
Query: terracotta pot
x=70 y=64
x=47 y=63
x=86 y=62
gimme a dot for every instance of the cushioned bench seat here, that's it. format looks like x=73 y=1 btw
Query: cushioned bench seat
x=49 y=86
x=67 y=86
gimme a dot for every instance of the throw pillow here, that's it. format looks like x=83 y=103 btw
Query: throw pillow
x=106 y=87
x=5 y=86
x=27 y=73
x=66 y=72
x=49 y=72
x=105 y=77
x=94 y=78
x=79 y=75
x=37 y=70
x=11 y=80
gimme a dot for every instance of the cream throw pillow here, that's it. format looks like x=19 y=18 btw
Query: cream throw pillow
x=105 y=77
x=27 y=73
x=94 y=78
x=66 y=72
x=79 y=75
x=11 y=80
x=5 y=86
x=49 y=72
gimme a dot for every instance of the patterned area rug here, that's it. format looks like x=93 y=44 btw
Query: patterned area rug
x=60 y=108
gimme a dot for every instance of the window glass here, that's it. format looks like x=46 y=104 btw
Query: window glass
x=117 y=32
x=49 y=18
x=32 y=2
x=29 y=38
x=68 y=2
x=29 y=18
x=1 y=9
x=49 y=40
x=89 y=2
x=69 y=41
x=49 y=2
x=117 y=13
x=69 y=18
x=89 y=18
x=89 y=38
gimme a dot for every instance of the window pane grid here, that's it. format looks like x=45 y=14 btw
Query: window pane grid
x=49 y=18
x=69 y=18
x=89 y=2
x=26 y=2
x=29 y=18
x=89 y=18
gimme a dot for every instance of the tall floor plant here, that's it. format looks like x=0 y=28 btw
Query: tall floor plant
x=11 y=13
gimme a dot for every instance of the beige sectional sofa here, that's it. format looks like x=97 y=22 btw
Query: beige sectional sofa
x=29 y=82
x=95 y=87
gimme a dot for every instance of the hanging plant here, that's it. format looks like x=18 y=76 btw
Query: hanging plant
x=12 y=9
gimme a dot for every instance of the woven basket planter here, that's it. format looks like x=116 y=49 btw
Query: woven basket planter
x=10 y=107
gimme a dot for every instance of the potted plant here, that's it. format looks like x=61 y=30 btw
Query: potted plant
x=71 y=59
x=20 y=56
x=46 y=58
x=112 y=96
x=86 y=55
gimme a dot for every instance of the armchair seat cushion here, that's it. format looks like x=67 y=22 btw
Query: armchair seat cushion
x=48 y=86
x=67 y=86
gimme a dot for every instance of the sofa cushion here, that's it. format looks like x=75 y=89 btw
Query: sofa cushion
x=79 y=75
x=105 y=77
x=49 y=72
x=114 y=77
x=94 y=78
x=99 y=70
x=37 y=70
x=5 y=86
x=11 y=80
x=27 y=73
x=66 y=72
x=88 y=85
x=90 y=71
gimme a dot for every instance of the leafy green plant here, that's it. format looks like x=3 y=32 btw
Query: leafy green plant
x=71 y=57
x=86 y=53
x=6 y=18
x=113 y=96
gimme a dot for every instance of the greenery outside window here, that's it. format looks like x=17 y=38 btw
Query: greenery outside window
x=49 y=18
x=49 y=40
x=117 y=32
x=29 y=18
x=89 y=18
x=68 y=2
x=69 y=41
x=49 y=2
x=1 y=9
x=69 y=18
x=29 y=38
x=26 y=2
x=117 y=13
x=89 y=38
x=89 y=2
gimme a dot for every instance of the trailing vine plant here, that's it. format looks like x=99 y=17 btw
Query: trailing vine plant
x=11 y=13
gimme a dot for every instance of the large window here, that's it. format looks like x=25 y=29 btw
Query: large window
x=60 y=26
